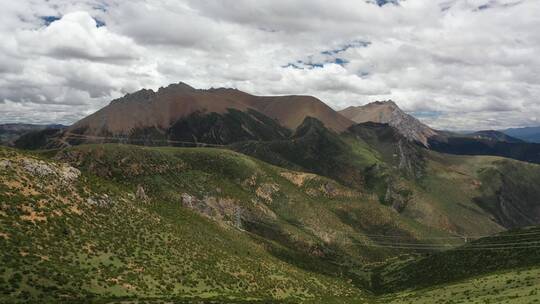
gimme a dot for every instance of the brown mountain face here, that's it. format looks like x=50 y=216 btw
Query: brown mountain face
x=161 y=109
x=388 y=112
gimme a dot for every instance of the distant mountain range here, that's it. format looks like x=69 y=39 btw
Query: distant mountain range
x=529 y=134
x=180 y=115
x=10 y=132
x=495 y=136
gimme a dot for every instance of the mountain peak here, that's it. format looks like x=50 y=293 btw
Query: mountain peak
x=388 y=112
x=143 y=95
x=178 y=87
x=388 y=102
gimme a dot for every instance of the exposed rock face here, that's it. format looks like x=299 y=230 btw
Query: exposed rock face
x=388 y=112
x=298 y=178
x=403 y=154
x=187 y=200
x=266 y=190
x=140 y=194
x=5 y=164
x=410 y=161
x=398 y=198
x=69 y=173
x=100 y=201
x=222 y=210
x=39 y=168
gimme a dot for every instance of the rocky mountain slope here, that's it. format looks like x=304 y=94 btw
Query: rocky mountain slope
x=389 y=113
x=479 y=143
x=180 y=112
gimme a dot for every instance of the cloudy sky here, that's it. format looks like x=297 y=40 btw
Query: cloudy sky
x=455 y=64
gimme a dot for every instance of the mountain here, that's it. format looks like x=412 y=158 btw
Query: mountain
x=217 y=116
x=480 y=145
x=529 y=134
x=488 y=142
x=388 y=112
x=495 y=136
x=9 y=133
x=416 y=182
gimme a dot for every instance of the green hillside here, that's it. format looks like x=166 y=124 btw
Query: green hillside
x=520 y=286
x=183 y=223
x=499 y=268
x=463 y=195
x=109 y=223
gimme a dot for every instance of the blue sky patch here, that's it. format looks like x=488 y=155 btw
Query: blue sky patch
x=329 y=56
x=341 y=61
x=353 y=44
x=99 y=23
x=385 y=2
x=292 y=65
x=49 y=19
x=301 y=65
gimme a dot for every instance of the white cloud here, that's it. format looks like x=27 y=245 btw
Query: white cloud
x=76 y=36
x=474 y=62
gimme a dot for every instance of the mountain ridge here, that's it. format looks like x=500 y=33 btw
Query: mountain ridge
x=529 y=134
x=161 y=109
x=388 y=112
x=495 y=136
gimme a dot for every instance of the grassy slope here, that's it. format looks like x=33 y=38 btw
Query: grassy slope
x=300 y=237
x=475 y=192
x=446 y=195
x=475 y=273
x=520 y=286
x=459 y=194
x=511 y=250
x=307 y=213
x=308 y=231
x=56 y=245
x=452 y=193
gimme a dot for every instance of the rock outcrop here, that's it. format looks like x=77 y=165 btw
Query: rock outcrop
x=389 y=113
